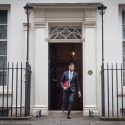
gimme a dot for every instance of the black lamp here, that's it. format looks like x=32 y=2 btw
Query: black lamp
x=101 y=8
x=28 y=9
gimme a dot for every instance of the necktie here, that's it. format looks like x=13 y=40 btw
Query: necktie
x=70 y=76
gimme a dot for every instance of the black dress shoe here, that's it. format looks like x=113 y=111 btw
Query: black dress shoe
x=68 y=117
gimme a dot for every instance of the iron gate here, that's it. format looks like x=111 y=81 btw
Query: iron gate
x=15 y=80
x=113 y=95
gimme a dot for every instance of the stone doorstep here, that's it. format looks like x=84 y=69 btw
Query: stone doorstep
x=62 y=114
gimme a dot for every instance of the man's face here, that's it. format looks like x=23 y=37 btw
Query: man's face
x=71 y=67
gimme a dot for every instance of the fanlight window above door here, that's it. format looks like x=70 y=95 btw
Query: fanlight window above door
x=65 y=32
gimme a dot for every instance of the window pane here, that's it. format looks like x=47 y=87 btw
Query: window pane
x=3 y=48
x=123 y=31
x=3 y=16
x=2 y=78
x=60 y=36
x=71 y=36
x=3 y=61
x=3 y=31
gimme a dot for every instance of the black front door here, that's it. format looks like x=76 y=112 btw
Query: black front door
x=60 y=54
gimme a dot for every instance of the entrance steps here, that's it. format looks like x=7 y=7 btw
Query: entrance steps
x=60 y=114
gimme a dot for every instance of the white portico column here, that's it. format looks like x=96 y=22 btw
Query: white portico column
x=89 y=68
x=41 y=70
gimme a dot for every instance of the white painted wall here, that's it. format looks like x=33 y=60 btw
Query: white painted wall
x=17 y=43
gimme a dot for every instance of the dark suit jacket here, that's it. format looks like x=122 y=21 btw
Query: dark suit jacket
x=74 y=83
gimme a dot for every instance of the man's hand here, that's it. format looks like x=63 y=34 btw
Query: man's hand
x=79 y=94
x=65 y=88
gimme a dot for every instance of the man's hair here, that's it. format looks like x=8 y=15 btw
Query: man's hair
x=71 y=63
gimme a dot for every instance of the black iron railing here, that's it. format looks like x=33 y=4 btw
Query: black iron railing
x=15 y=80
x=113 y=95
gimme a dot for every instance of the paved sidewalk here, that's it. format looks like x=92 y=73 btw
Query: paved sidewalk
x=61 y=120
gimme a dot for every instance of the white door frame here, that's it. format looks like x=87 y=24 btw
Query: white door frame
x=69 y=41
x=89 y=58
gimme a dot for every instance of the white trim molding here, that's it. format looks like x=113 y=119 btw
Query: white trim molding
x=39 y=22
x=42 y=108
x=92 y=108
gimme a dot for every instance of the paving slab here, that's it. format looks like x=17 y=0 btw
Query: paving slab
x=57 y=120
x=101 y=122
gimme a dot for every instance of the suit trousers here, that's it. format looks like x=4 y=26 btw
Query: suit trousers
x=68 y=97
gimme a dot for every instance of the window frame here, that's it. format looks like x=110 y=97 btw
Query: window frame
x=65 y=40
x=5 y=40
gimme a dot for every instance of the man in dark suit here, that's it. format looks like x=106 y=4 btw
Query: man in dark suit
x=72 y=77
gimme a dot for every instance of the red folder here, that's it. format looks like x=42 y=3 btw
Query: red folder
x=67 y=84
